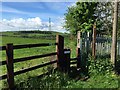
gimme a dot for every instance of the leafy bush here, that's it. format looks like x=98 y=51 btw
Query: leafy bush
x=99 y=66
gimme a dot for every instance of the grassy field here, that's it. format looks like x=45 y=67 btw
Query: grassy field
x=57 y=79
x=29 y=52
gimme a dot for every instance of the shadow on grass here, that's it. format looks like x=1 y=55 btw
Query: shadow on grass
x=78 y=74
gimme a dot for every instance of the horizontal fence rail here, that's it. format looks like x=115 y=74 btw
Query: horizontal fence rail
x=29 y=58
x=33 y=45
x=29 y=69
x=2 y=47
x=28 y=46
x=73 y=62
x=72 y=59
x=3 y=77
x=34 y=57
x=34 y=67
x=2 y=63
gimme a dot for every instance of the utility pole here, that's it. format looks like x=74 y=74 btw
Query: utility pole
x=114 y=34
x=49 y=24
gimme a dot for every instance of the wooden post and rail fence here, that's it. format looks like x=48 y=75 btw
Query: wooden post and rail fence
x=63 y=59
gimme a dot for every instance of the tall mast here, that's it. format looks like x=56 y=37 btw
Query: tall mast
x=49 y=24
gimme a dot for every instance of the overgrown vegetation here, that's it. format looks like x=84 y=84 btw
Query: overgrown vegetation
x=100 y=76
x=100 y=66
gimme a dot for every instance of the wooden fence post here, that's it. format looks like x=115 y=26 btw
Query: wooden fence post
x=88 y=42
x=66 y=60
x=10 y=67
x=78 y=57
x=60 y=51
x=94 y=41
x=79 y=43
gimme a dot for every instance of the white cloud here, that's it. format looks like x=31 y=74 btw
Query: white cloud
x=21 y=23
x=30 y=24
x=58 y=26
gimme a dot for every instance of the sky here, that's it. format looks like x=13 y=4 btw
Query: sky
x=18 y=16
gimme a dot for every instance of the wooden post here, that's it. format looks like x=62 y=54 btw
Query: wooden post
x=60 y=51
x=66 y=60
x=10 y=67
x=88 y=42
x=94 y=41
x=78 y=57
x=79 y=45
x=114 y=35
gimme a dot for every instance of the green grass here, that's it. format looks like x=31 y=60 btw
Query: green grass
x=25 y=53
x=97 y=81
x=54 y=79
x=29 y=52
x=20 y=40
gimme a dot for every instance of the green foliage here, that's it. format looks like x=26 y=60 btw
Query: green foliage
x=80 y=17
x=99 y=66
